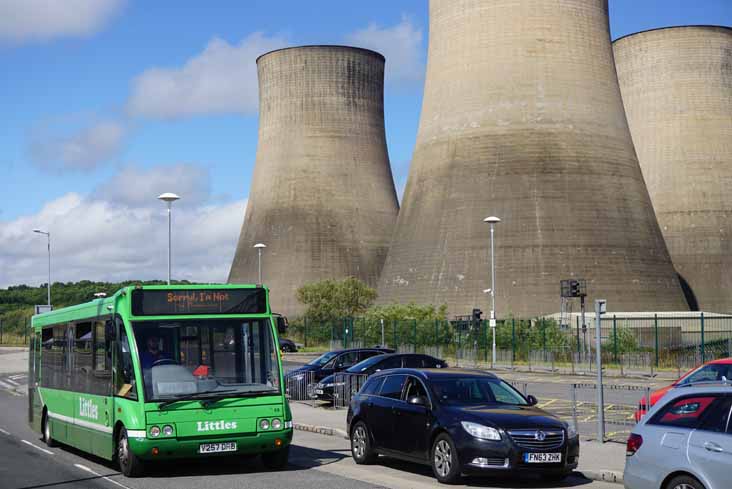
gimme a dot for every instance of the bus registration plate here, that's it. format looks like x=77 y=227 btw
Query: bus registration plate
x=542 y=458
x=227 y=446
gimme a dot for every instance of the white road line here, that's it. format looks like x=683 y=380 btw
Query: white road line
x=4 y=432
x=87 y=469
x=49 y=452
x=18 y=376
x=12 y=381
x=5 y=386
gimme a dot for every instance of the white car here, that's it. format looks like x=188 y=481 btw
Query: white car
x=684 y=442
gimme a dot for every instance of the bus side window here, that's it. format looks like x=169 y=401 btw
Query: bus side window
x=101 y=378
x=124 y=382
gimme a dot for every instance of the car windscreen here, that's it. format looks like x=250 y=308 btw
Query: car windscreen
x=323 y=359
x=476 y=390
x=709 y=373
x=364 y=364
x=194 y=356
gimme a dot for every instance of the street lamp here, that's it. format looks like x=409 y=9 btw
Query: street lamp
x=260 y=247
x=169 y=198
x=48 y=235
x=493 y=220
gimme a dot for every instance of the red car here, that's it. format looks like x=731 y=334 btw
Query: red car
x=716 y=370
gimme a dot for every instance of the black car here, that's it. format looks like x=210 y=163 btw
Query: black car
x=355 y=376
x=287 y=345
x=298 y=380
x=459 y=422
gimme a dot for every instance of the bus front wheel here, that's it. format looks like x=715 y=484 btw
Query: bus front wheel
x=129 y=464
x=276 y=460
x=47 y=437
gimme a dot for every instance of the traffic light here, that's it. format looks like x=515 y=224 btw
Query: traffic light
x=476 y=317
x=574 y=288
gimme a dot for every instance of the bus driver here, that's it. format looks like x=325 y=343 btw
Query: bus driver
x=153 y=353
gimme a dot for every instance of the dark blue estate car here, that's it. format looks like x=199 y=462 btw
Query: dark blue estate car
x=459 y=422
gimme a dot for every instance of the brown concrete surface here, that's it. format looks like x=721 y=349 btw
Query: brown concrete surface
x=677 y=90
x=522 y=119
x=322 y=197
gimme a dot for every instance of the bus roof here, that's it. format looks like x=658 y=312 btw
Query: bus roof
x=105 y=305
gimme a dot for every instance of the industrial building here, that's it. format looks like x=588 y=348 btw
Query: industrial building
x=322 y=196
x=522 y=118
x=676 y=85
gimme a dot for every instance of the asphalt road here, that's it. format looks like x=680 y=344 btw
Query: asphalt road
x=316 y=461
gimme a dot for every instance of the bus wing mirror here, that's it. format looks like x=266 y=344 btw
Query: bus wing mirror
x=281 y=325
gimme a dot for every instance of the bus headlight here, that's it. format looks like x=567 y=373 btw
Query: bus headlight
x=276 y=424
x=264 y=424
x=155 y=431
x=168 y=430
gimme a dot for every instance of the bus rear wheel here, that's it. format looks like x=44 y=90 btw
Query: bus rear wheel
x=129 y=464
x=47 y=437
x=276 y=460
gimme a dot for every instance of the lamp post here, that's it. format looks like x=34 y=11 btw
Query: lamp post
x=260 y=247
x=493 y=220
x=48 y=235
x=169 y=198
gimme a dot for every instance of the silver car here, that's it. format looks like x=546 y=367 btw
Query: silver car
x=684 y=442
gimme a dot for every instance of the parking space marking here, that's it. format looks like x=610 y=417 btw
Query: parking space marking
x=87 y=469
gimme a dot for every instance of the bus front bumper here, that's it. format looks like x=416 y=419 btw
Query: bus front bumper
x=175 y=448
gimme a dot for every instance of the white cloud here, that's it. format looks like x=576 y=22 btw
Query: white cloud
x=84 y=149
x=221 y=79
x=136 y=187
x=400 y=44
x=30 y=20
x=93 y=238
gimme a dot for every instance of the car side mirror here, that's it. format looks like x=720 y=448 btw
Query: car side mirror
x=417 y=401
x=533 y=401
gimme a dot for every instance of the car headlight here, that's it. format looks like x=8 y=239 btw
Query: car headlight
x=155 y=431
x=264 y=424
x=571 y=431
x=276 y=424
x=480 y=431
x=167 y=430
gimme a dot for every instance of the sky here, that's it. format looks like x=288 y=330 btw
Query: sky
x=108 y=103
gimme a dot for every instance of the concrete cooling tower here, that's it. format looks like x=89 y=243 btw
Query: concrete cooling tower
x=322 y=196
x=522 y=119
x=677 y=90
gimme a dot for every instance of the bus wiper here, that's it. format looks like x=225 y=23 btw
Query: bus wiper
x=194 y=397
x=212 y=399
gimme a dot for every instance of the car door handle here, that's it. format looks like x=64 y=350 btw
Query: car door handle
x=713 y=447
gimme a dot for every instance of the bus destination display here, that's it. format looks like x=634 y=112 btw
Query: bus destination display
x=189 y=302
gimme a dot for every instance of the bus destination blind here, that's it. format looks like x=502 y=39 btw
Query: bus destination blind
x=191 y=301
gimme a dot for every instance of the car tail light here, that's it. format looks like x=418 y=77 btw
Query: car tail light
x=634 y=443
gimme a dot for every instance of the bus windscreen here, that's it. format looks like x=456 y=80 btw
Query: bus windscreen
x=197 y=302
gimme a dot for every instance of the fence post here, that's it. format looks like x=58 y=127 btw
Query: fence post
x=543 y=335
x=574 y=408
x=305 y=332
x=437 y=337
x=579 y=351
x=394 y=334
x=485 y=341
x=655 y=328
x=702 y=339
x=513 y=341
x=414 y=335
x=1 y=331
x=615 y=339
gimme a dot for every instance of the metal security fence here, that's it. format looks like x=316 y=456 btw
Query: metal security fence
x=345 y=386
x=641 y=344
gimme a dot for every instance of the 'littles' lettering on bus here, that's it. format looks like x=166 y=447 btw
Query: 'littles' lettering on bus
x=87 y=409
x=215 y=425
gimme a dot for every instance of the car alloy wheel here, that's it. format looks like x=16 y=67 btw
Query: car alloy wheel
x=443 y=458
x=359 y=442
x=684 y=482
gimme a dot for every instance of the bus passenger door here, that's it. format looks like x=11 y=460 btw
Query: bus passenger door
x=34 y=376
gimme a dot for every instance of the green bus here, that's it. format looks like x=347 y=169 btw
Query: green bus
x=162 y=372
